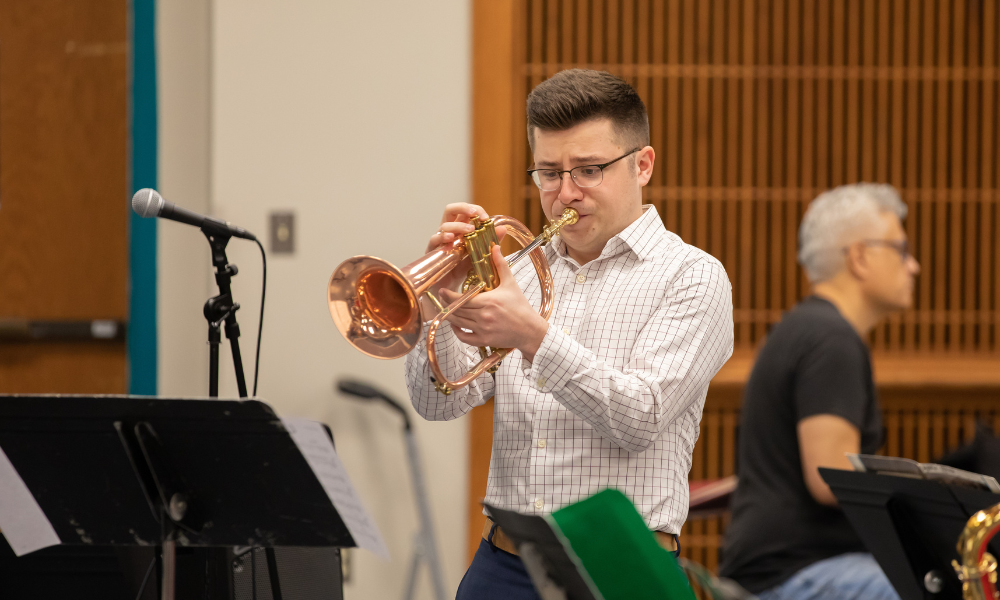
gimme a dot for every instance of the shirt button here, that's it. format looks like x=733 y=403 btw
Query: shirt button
x=541 y=443
x=581 y=278
x=538 y=503
x=566 y=330
x=541 y=382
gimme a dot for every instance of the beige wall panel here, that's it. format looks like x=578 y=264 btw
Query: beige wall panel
x=354 y=116
x=184 y=279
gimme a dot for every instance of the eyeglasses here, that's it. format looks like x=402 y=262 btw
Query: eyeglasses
x=585 y=176
x=900 y=246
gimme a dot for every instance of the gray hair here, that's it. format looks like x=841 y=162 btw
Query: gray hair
x=840 y=217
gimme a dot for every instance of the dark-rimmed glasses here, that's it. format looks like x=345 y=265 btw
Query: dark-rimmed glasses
x=900 y=246
x=585 y=176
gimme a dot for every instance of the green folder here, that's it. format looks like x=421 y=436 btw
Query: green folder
x=606 y=539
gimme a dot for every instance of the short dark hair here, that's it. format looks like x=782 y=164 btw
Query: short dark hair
x=576 y=96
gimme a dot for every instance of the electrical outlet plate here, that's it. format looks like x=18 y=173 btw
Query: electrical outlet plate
x=282 y=233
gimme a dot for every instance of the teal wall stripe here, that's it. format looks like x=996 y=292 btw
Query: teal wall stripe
x=142 y=238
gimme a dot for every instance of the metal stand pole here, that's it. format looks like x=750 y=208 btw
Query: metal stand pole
x=168 y=554
x=424 y=544
x=214 y=339
x=425 y=547
x=219 y=309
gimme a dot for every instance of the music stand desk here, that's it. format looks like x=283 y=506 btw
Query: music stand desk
x=911 y=526
x=142 y=471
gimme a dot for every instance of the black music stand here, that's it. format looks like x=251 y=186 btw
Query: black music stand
x=544 y=556
x=911 y=526
x=119 y=471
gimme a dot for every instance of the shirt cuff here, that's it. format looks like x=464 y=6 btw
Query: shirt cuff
x=559 y=357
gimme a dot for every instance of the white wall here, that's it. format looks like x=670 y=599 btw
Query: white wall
x=183 y=270
x=356 y=117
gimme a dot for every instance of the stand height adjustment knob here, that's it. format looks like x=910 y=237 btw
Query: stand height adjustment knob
x=933 y=581
x=178 y=507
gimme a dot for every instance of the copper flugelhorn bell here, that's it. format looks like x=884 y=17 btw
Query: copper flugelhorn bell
x=376 y=305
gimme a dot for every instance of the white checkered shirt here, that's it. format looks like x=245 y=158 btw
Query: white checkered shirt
x=616 y=390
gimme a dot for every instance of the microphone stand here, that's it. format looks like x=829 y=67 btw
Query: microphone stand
x=218 y=309
x=222 y=308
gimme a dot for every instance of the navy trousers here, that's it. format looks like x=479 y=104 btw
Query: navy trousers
x=496 y=575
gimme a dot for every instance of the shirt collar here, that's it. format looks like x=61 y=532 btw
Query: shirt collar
x=641 y=237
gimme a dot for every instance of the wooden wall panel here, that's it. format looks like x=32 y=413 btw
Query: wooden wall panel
x=62 y=368
x=63 y=186
x=498 y=127
x=757 y=106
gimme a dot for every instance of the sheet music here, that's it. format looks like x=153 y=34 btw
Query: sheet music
x=21 y=519
x=315 y=446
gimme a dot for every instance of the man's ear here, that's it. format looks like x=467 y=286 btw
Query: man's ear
x=644 y=162
x=856 y=261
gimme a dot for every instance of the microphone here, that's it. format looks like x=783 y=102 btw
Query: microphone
x=148 y=203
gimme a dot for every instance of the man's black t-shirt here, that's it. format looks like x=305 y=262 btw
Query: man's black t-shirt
x=813 y=363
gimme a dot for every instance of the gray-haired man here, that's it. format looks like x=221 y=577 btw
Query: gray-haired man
x=810 y=400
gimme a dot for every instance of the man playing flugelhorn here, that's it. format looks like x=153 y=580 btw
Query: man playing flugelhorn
x=609 y=391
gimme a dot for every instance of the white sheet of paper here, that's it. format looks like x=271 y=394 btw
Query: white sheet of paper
x=21 y=519
x=315 y=446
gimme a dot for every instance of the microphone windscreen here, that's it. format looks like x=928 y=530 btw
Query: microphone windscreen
x=147 y=203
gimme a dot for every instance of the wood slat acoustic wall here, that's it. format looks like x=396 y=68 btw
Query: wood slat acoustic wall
x=755 y=107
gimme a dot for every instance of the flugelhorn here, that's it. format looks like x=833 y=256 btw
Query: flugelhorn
x=978 y=569
x=376 y=305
